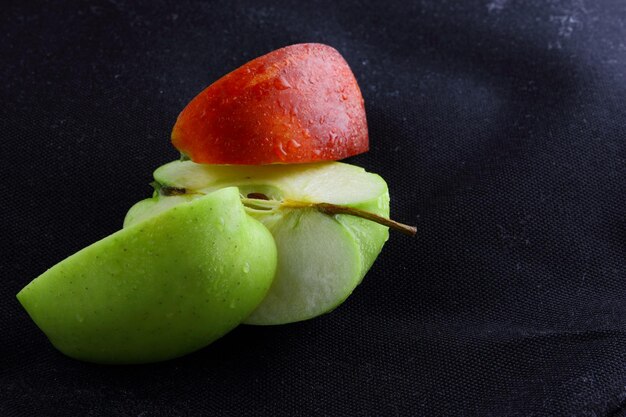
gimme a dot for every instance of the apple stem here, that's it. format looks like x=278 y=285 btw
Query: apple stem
x=331 y=210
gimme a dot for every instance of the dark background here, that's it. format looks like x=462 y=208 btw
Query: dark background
x=498 y=125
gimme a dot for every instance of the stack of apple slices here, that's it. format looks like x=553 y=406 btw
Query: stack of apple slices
x=320 y=258
x=260 y=226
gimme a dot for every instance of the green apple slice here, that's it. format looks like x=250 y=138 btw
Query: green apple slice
x=149 y=208
x=158 y=289
x=321 y=258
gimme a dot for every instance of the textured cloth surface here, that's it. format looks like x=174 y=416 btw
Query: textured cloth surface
x=498 y=125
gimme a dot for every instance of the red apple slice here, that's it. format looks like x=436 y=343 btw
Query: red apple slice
x=296 y=104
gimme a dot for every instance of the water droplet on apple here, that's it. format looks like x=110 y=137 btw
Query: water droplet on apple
x=246 y=268
x=293 y=144
x=284 y=108
x=281 y=83
x=79 y=318
x=279 y=150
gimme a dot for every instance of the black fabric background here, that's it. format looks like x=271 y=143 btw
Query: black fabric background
x=498 y=125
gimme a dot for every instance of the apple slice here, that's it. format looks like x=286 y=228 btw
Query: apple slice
x=321 y=258
x=159 y=289
x=296 y=104
x=138 y=211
